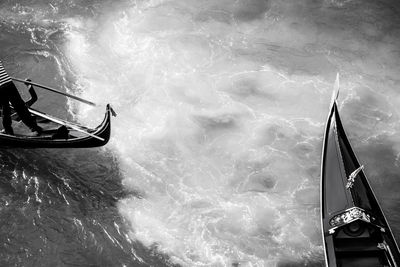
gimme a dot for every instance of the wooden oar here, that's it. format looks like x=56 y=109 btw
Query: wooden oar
x=84 y=128
x=55 y=91
x=63 y=123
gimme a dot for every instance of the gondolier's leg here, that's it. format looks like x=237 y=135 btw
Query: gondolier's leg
x=6 y=114
x=21 y=109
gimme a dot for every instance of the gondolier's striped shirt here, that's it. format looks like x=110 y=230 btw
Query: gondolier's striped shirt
x=4 y=78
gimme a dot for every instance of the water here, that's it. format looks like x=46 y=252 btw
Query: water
x=215 y=153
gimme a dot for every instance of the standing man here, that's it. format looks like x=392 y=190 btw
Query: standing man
x=9 y=94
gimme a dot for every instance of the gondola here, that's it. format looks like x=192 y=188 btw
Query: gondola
x=57 y=133
x=355 y=230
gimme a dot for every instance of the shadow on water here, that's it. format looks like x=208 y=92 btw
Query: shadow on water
x=300 y=264
x=58 y=207
x=380 y=160
x=371 y=124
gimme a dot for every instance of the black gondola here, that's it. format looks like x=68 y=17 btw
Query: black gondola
x=58 y=133
x=355 y=230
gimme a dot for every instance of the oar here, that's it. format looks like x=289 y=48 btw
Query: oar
x=54 y=90
x=64 y=123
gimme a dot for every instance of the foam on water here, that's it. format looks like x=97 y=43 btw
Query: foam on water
x=221 y=109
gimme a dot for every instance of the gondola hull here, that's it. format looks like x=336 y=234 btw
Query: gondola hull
x=355 y=230
x=61 y=139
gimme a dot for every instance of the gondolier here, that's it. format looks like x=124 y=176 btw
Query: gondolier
x=56 y=132
x=9 y=94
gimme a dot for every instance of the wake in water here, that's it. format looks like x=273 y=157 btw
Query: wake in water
x=219 y=144
x=219 y=131
x=221 y=111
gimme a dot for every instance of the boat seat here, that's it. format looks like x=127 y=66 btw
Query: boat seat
x=356 y=244
x=362 y=260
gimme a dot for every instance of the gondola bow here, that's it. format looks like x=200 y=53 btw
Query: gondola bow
x=355 y=230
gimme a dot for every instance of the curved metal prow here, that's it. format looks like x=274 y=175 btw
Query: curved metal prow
x=111 y=110
x=336 y=89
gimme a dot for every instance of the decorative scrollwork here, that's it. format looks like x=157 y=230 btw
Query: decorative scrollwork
x=352 y=176
x=351 y=215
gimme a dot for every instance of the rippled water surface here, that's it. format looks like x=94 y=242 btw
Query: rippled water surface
x=215 y=154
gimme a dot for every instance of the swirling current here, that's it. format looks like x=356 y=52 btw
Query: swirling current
x=214 y=158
